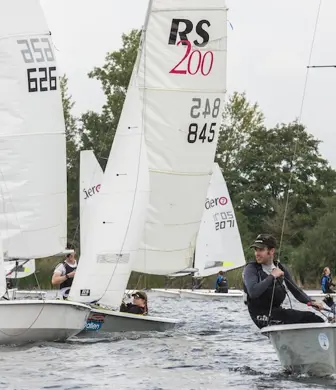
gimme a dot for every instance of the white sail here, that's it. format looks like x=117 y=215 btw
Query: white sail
x=218 y=246
x=90 y=176
x=120 y=208
x=182 y=79
x=25 y=268
x=33 y=205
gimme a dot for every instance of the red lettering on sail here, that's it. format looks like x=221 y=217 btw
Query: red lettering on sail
x=194 y=61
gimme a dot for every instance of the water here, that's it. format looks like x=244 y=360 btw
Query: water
x=217 y=347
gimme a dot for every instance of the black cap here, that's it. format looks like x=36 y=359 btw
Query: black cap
x=264 y=241
x=140 y=294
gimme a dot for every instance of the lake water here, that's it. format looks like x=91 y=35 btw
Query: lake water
x=216 y=347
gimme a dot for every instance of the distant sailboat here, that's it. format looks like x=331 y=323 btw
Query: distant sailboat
x=218 y=246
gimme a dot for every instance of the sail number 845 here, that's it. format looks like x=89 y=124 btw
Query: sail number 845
x=204 y=132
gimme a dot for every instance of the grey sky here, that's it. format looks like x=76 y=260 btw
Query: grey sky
x=268 y=51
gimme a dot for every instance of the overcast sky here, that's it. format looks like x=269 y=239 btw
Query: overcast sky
x=268 y=51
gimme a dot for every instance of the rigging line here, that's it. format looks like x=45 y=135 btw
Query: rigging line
x=299 y=121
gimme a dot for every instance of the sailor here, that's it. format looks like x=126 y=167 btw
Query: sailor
x=326 y=282
x=64 y=273
x=264 y=280
x=139 y=305
x=222 y=285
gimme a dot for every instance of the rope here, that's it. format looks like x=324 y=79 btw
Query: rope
x=295 y=146
x=299 y=121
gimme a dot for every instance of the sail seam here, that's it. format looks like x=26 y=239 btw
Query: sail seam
x=25 y=35
x=157 y=10
x=180 y=173
x=184 y=90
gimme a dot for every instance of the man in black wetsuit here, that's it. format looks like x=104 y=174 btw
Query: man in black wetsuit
x=263 y=284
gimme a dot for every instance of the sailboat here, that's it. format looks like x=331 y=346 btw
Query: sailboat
x=101 y=318
x=161 y=159
x=218 y=246
x=33 y=171
x=114 y=223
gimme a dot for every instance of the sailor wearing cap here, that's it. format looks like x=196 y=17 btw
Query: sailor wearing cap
x=264 y=281
x=139 y=305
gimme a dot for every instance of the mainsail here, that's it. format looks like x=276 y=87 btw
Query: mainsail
x=182 y=80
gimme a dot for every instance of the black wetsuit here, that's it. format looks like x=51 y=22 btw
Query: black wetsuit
x=259 y=287
x=131 y=308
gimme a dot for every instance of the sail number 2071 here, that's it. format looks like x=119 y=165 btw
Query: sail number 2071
x=203 y=132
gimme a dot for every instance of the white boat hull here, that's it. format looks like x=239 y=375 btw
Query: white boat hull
x=103 y=320
x=305 y=348
x=211 y=295
x=165 y=293
x=24 y=321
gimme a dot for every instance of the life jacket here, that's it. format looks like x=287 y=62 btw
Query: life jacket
x=221 y=281
x=224 y=283
x=262 y=303
x=65 y=286
x=328 y=284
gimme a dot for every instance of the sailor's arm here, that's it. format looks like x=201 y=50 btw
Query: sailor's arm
x=255 y=288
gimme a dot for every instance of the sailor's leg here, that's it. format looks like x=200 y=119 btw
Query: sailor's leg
x=291 y=316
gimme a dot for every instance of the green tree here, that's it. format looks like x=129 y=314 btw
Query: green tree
x=240 y=119
x=98 y=130
x=271 y=160
x=97 y=133
x=318 y=250
x=72 y=137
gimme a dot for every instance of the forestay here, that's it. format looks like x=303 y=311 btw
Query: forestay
x=90 y=176
x=120 y=207
x=33 y=207
x=218 y=246
x=182 y=79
